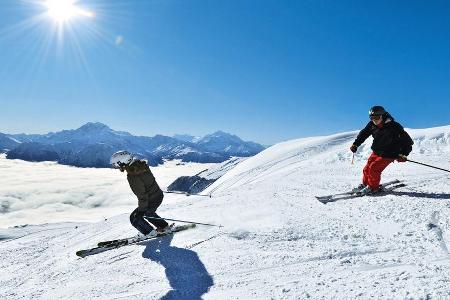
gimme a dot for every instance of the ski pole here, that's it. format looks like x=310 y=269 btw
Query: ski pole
x=175 y=220
x=187 y=194
x=353 y=158
x=419 y=163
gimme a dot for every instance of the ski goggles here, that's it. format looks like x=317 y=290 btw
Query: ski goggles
x=375 y=117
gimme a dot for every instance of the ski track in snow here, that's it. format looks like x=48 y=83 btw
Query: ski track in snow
x=278 y=242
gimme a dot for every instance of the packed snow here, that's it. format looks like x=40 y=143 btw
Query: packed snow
x=278 y=241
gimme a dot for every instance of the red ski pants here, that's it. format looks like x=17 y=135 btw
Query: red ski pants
x=372 y=171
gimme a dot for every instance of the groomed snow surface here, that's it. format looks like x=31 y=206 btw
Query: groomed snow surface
x=278 y=242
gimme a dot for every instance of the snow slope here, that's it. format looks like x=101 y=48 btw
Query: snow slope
x=278 y=242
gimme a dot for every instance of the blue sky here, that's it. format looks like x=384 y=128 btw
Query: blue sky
x=267 y=71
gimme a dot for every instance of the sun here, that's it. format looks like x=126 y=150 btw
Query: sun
x=62 y=11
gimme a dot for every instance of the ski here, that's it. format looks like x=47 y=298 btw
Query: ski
x=384 y=192
x=330 y=198
x=131 y=239
x=114 y=244
x=125 y=240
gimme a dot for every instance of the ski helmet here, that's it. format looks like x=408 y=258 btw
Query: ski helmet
x=121 y=158
x=377 y=111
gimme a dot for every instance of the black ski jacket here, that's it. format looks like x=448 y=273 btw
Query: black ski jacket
x=389 y=141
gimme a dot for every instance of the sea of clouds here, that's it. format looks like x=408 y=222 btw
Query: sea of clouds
x=46 y=192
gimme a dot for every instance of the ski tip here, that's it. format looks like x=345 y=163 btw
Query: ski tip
x=80 y=254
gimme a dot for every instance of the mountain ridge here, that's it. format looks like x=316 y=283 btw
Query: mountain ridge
x=78 y=147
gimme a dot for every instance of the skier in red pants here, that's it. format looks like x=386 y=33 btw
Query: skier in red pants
x=390 y=142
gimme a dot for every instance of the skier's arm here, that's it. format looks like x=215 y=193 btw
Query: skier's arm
x=406 y=142
x=363 y=135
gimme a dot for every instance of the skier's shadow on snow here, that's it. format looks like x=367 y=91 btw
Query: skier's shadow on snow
x=187 y=275
x=422 y=195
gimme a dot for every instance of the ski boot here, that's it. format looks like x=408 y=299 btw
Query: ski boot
x=367 y=191
x=164 y=230
x=142 y=237
x=359 y=188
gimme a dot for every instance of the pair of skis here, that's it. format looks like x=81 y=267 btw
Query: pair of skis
x=386 y=188
x=114 y=244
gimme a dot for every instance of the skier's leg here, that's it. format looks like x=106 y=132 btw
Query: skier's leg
x=376 y=167
x=366 y=170
x=151 y=212
x=138 y=221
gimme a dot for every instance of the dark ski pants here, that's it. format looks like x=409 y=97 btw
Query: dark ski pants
x=372 y=171
x=138 y=220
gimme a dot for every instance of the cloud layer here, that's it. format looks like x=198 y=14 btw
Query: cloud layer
x=35 y=193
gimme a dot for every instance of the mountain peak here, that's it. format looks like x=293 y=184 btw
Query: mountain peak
x=221 y=135
x=94 y=126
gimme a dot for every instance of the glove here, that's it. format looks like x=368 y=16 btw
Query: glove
x=402 y=158
x=353 y=148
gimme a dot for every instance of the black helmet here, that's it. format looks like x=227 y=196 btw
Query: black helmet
x=377 y=111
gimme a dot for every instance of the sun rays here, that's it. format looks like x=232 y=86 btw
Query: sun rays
x=55 y=33
x=62 y=11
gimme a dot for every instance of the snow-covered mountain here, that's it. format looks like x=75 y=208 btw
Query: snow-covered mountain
x=227 y=143
x=278 y=241
x=92 y=144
